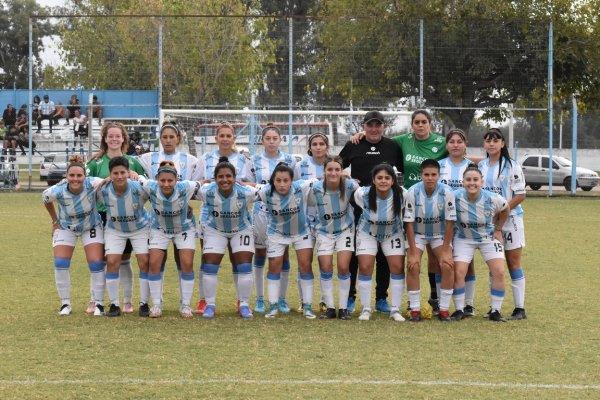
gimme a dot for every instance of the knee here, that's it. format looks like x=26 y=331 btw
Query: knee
x=62 y=263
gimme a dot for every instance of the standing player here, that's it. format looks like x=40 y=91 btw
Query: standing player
x=504 y=176
x=429 y=216
x=77 y=217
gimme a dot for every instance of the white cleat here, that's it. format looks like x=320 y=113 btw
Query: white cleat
x=65 y=310
x=365 y=315
x=396 y=315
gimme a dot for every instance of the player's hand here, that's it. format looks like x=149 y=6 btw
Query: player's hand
x=134 y=176
x=356 y=138
x=498 y=236
x=413 y=260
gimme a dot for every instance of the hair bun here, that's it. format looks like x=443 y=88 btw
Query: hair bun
x=223 y=159
x=76 y=159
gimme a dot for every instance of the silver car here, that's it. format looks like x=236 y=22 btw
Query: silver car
x=536 y=167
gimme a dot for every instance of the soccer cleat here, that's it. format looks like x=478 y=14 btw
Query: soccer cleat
x=245 y=312
x=351 y=304
x=396 y=316
x=343 y=314
x=186 y=312
x=495 y=316
x=113 y=311
x=444 y=316
x=144 y=310
x=259 y=305
x=415 y=316
x=458 y=315
x=128 y=308
x=91 y=307
x=209 y=312
x=65 y=309
x=469 y=311
x=365 y=315
x=487 y=314
x=382 y=306
x=518 y=314
x=307 y=312
x=273 y=311
x=435 y=305
x=329 y=314
x=323 y=307
x=201 y=307
x=156 y=311
x=283 y=306
x=99 y=311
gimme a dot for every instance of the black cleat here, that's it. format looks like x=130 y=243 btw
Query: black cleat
x=435 y=305
x=144 y=310
x=469 y=311
x=328 y=314
x=458 y=315
x=487 y=314
x=496 y=316
x=344 y=314
x=517 y=314
x=113 y=311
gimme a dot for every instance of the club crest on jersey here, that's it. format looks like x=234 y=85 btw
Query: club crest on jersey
x=434 y=149
x=239 y=205
x=440 y=206
x=502 y=178
x=487 y=213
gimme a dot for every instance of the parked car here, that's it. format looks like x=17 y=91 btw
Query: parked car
x=536 y=167
x=45 y=165
x=56 y=173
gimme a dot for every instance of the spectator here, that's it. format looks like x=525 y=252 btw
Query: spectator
x=72 y=107
x=98 y=110
x=36 y=107
x=46 y=111
x=80 y=125
x=10 y=140
x=3 y=129
x=22 y=123
x=23 y=142
x=9 y=116
x=59 y=113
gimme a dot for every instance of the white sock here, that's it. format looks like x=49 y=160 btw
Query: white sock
x=258 y=271
x=112 y=284
x=497 y=297
x=273 y=282
x=299 y=287
x=343 y=290
x=155 y=286
x=62 y=277
x=326 y=282
x=414 y=296
x=518 y=287
x=307 y=281
x=283 y=287
x=98 y=286
x=445 y=297
x=364 y=283
x=235 y=275
x=201 y=294
x=244 y=283
x=459 y=298
x=209 y=284
x=186 y=283
x=144 y=288
x=397 y=290
x=126 y=278
x=470 y=289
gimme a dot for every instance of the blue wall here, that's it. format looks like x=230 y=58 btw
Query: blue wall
x=116 y=103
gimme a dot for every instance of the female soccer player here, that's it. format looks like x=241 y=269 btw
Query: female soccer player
x=480 y=215
x=172 y=221
x=77 y=217
x=113 y=143
x=380 y=225
x=127 y=222
x=335 y=232
x=285 y=203
x=227 y=224
x=429 y=216
x=504 y=176
x=262 y=166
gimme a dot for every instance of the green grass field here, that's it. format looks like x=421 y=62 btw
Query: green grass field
x=555 y=353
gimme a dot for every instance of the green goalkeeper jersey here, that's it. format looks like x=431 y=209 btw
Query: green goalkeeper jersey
x=414 y=152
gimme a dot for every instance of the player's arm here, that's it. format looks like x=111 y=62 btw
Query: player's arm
x=52 y=212
x=502 y=217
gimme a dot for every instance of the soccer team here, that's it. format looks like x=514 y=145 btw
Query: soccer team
x=448 y=208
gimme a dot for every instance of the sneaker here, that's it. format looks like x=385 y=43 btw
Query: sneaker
x=496 y=316
x=273 y=311
x=283 y=306
x=128 y=308
x=65 y=309
x=396 y=316
x=435 y=305
x=209 y=312
x=444 y=316
x=144 y=310
x=99 y=311
x=469 y=311
x=487 y=314
x=329 y=314
x=113 y=311
x=382 y=306
x=415 y=316
x=518 y=314
x=259 y=306
x=245 y=312
x=458 y=315
x=156 y=311
x=307 y=312
x=91 y=307
x=351 y=304
x=365 y=315
x=186 y=312
x=201 y=307
x=343 y=314
x=323 y=307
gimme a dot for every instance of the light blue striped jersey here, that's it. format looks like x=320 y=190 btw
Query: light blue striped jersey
x=287 y=214
x=452 y=175
x=172 y=214
x=381 y=223
x=184 y=163
x=475 y=221
x=76 y=212
x=227 y=214
x=510 y=182
x=334 y=215
x=308 y=169
x=429 y=213
x=125 y=213
x=261 y=166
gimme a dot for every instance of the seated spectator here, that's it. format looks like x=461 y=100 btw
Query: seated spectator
x=10 y=140
x=59 y=113
x=23 y=143
x=46 y=111
x=80 y=125
x=98 y=110
x=2 y=128
x=73 y=105
x=22 y=123
x=35 y=111
x=9 y=116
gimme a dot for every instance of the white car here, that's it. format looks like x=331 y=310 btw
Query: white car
x=45 y=165
x=536 y=166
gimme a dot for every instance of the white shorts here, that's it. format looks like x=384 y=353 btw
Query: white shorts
x=421 y=241
x=183 y=240
x=65 y=237
x=115 y=241
x=513 y=233
x=391 y=246
x=216 y=242
x=464 y=249
x=259 y=223
x=276 y=244
x=326 y=245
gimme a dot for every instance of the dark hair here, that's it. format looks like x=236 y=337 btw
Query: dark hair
x=270 y=127
x=171 y=124
x=430 y=163
x=396 y=189
x=472 y=167
x=76 y=161
x=167 y=166
x=281 y=167
x=342 y=188
x=118 y=161
x=495 y=133
x=456 y=131
x=417 y=112
x=223 y=163
x=315 y=135
x=224 y=124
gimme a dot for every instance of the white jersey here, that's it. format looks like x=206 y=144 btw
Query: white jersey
x=429 y=213
x=184 y=163
x=334 y=214
x=125 y=213
x=382 y=223
x=261 y=166
x=452 y=175
x=475 y=221
x=172 y=215
x=308 y=169
x=227 y=214
x=287 y=214
x=76 y=212
x=510 y=182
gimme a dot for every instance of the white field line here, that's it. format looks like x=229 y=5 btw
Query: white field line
x=392 y=382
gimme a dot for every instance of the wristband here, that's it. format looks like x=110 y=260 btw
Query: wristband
x=54 y=222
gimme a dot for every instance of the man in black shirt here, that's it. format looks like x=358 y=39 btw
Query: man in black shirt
x=372 y=150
